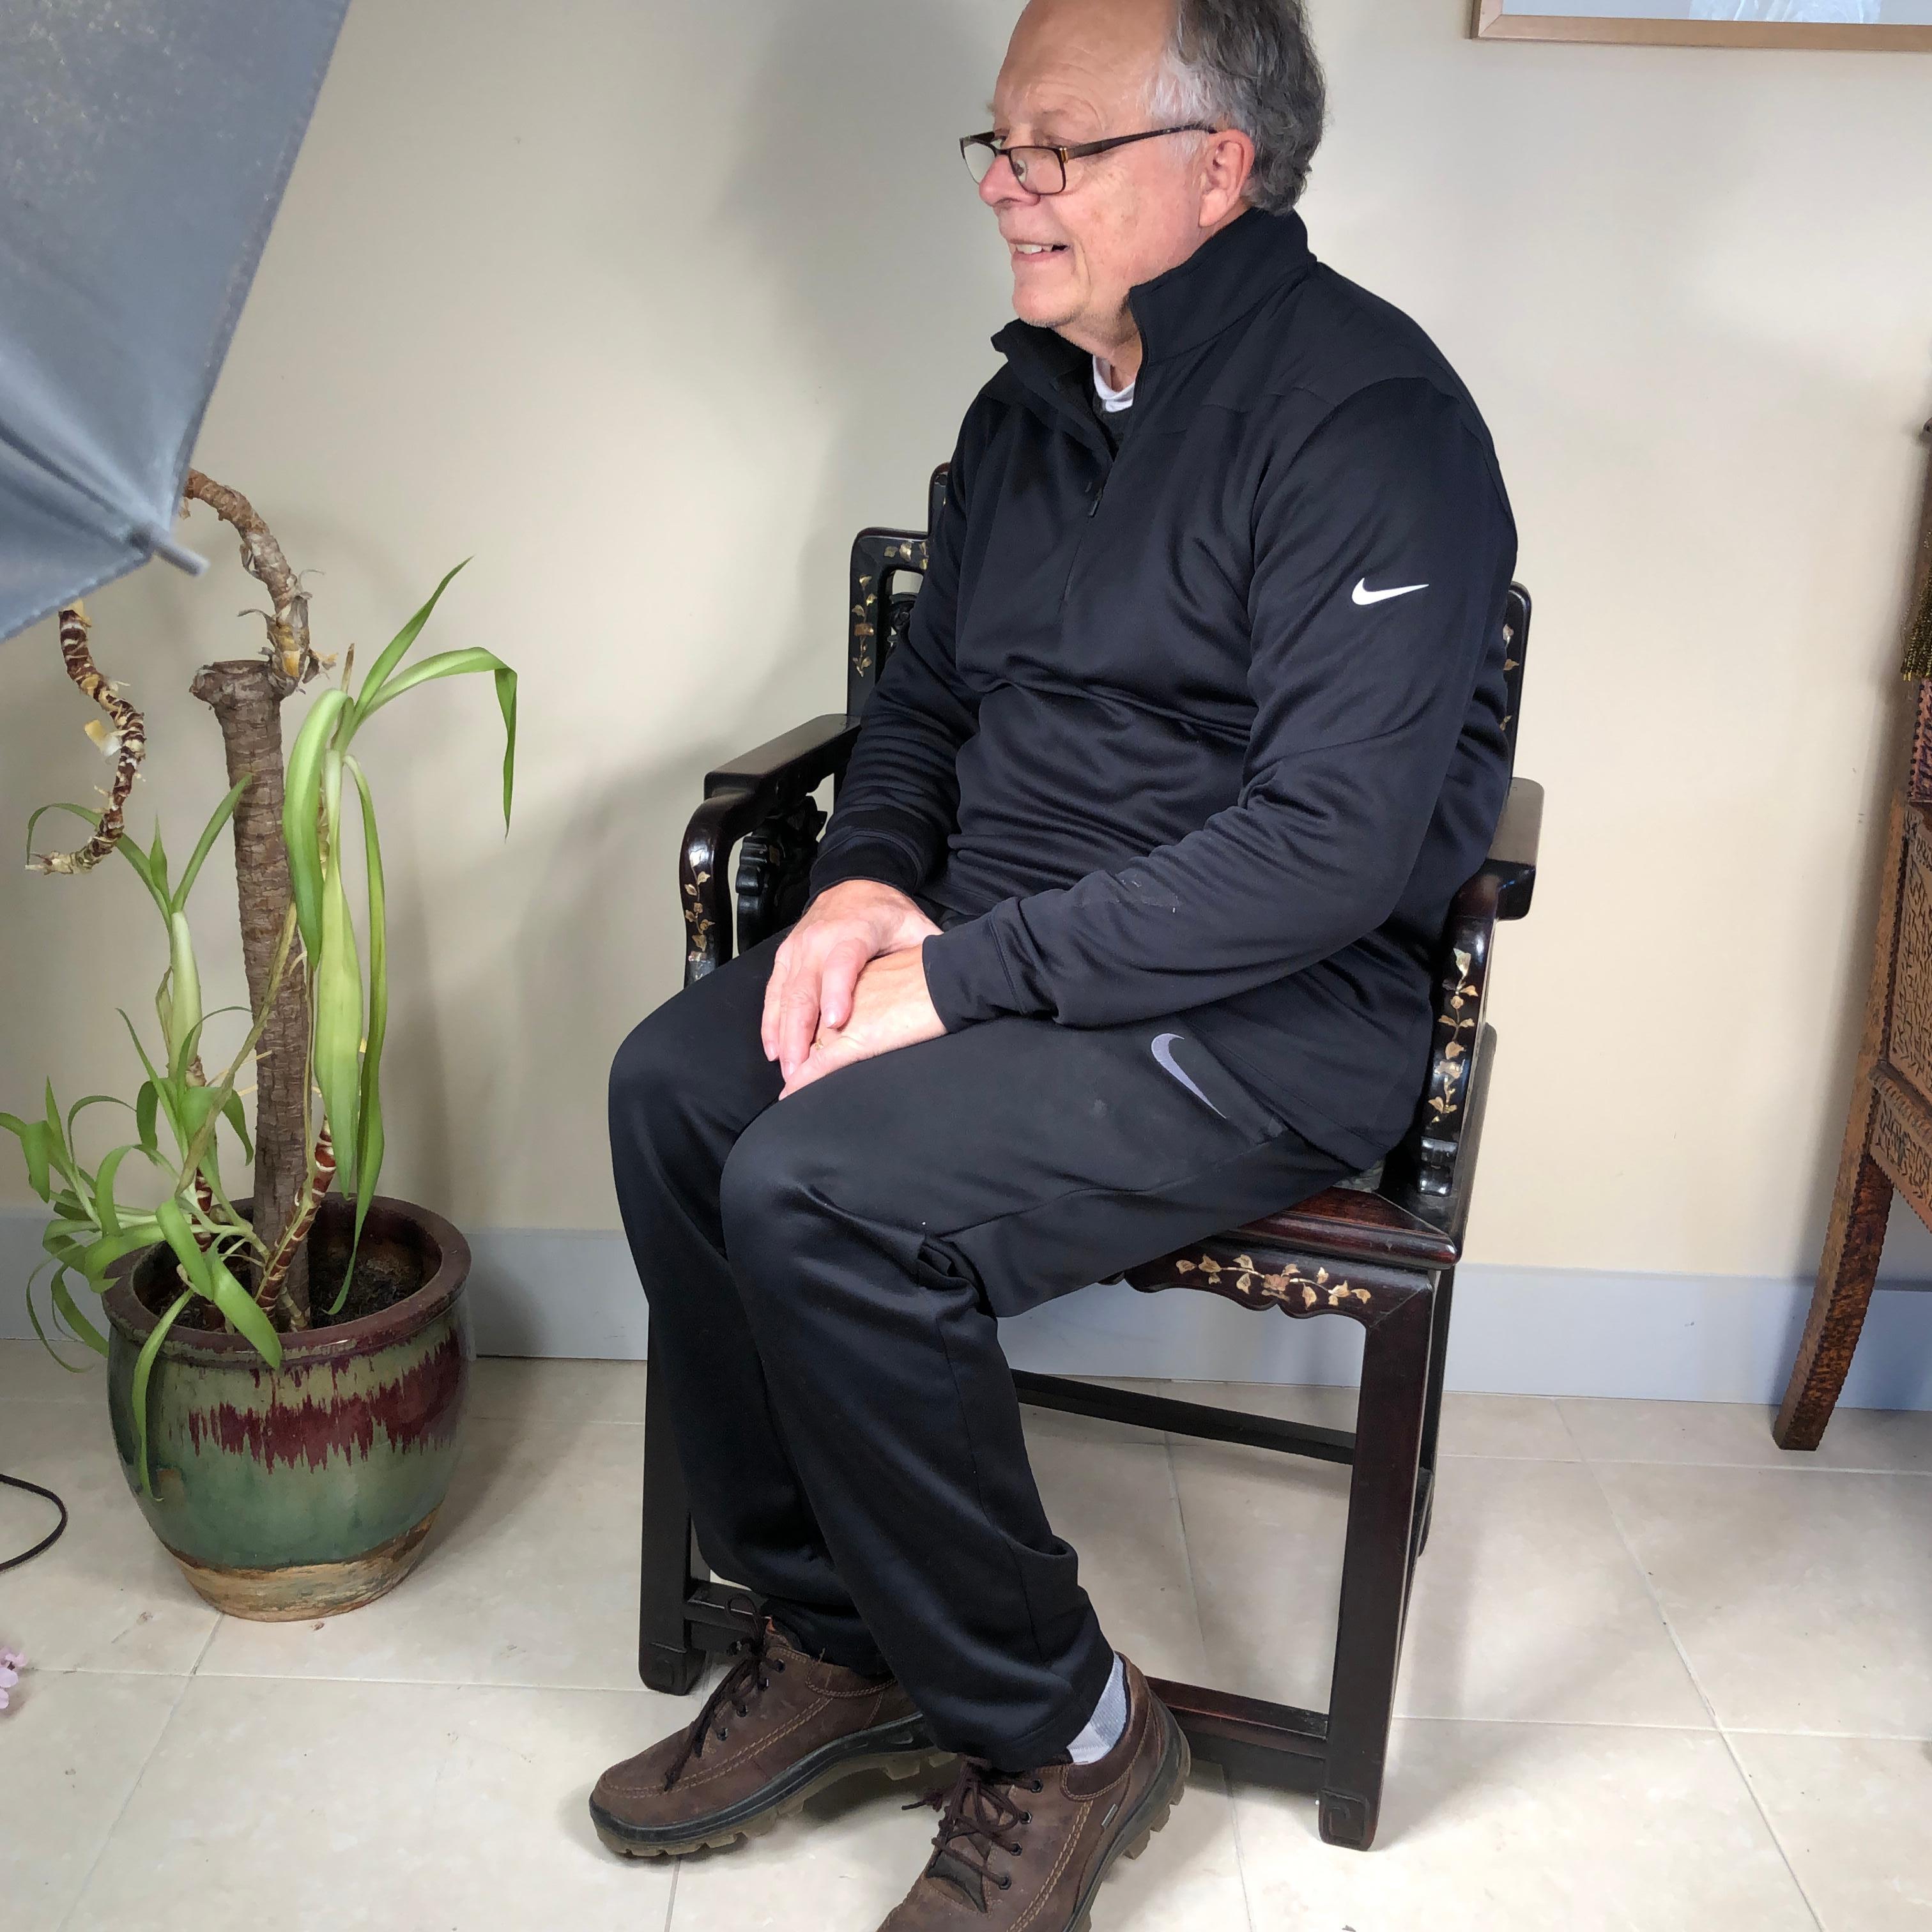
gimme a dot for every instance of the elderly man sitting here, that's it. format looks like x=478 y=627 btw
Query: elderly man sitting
x=1120 y=934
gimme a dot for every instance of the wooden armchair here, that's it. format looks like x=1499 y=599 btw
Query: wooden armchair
x=1380 y=1248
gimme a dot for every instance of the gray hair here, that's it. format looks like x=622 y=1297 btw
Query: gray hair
x=1251 y=65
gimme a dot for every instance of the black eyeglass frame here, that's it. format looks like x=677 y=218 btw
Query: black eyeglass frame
x=1077 y=152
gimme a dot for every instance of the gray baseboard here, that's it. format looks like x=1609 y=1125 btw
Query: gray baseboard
x=1519 y=1330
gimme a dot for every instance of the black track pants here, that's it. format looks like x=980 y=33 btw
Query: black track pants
x=824 y=1276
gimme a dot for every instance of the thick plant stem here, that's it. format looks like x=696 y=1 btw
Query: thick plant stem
x=274 y=1291
x=245 y=696
x=289 y=653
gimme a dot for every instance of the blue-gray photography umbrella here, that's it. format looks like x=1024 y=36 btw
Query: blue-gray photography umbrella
x=144 y=147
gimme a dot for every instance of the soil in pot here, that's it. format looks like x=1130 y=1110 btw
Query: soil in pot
x=388 y=1269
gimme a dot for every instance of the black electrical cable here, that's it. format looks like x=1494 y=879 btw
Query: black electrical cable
x=52 y=1536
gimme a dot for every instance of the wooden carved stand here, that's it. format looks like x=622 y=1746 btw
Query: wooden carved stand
x=1889 y=1136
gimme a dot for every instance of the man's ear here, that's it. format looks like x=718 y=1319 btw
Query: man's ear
x=1227 y=163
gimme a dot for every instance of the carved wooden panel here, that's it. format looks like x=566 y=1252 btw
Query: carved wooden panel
x=1901 y=1142
x=1909 y=1030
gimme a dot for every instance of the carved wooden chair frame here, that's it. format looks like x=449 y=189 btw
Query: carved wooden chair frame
x=1380 y=1249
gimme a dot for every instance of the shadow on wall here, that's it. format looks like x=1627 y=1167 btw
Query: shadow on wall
x=855 y=211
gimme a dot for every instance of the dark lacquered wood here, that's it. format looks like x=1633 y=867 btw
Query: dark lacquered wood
x=1354 y=1225
x=1381 y=1250
x=1377 y=1565
x=788 y=766
x=667 y=1659
x=1203 y=1422
x=1221 y=1716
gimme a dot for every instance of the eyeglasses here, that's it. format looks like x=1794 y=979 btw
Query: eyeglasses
x=1043 y=170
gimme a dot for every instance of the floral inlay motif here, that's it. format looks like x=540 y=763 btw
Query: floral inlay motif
x=697 y=921
x=1455 y=1051
x=1291 y=1284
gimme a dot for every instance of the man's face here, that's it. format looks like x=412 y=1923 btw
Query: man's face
x=1079 y=70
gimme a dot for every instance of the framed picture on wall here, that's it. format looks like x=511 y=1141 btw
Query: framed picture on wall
x=1878 y=26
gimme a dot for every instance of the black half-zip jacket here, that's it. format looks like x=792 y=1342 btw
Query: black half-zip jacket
x=1211 y=730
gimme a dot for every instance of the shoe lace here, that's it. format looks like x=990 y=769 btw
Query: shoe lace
x=738 y=1688
x=977 y=1817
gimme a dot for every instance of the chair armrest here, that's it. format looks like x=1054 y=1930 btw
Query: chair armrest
x=786 y=767
x=1423 y=1171
x=767 y=792
x=1503 y=886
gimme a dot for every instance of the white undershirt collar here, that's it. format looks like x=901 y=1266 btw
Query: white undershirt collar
x=1111 y=399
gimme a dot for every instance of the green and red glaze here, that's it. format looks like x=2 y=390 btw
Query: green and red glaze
x=308 y=1489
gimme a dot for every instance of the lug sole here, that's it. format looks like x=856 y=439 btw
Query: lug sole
x=1152 y=1813
x=727 y=1830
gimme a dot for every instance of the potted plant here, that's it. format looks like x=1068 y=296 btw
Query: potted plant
x=285 y=1373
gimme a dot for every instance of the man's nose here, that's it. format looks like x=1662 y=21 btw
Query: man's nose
x=1002 y=185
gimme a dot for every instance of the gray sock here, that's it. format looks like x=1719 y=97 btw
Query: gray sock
x=1109 y=1720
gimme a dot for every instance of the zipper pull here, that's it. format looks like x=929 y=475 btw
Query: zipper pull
x=1100 y=490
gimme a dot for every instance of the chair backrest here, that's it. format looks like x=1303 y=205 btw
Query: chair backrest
x=882 y=600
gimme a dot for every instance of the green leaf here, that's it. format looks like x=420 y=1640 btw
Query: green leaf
x=78 y=1325
x=57 y=1149
x=34 y=1316
x=337 y=994
x=157 y=866
x=506 y=703
x=398 y=646
x=369 y=1145
x=37 y=1144
x=144 y=1365
x=180 y=1237
x=67 y=1240
x=98 y=1257
x=146 y=1104
x=251 y=1321
x=223 y=812
x=198 y=1106
x=79 y=811
x=455 y=664
x=236 y=1115
x=167 y=1092
x=183 y=1021
x=105 y=1211
x=302 y=802
x=144 y=871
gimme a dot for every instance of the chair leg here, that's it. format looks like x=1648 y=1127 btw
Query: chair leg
x=668 y=1660
x=1861 y=1198
x=1432 y=1415
x=1854 y=1238
x=1375 y=1568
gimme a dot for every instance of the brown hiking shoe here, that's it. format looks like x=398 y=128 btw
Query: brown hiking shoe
x=779 y=1725
x=1030 y=1850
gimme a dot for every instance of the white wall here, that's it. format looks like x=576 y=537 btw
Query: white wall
x=648 y=306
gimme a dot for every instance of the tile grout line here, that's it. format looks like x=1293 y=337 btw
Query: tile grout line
x=133 y=1785
x=1201 y=1631
x=1703 y=1697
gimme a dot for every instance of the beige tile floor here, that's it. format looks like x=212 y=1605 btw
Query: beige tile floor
x=1658 y=1675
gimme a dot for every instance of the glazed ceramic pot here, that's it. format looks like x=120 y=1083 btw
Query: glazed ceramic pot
x=307 y=1490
